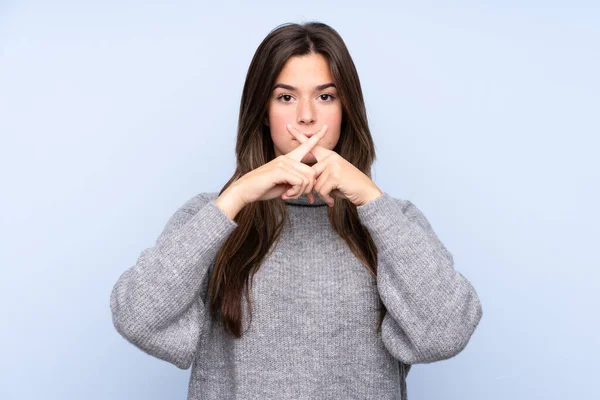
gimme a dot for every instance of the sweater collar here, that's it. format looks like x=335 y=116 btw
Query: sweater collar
x=303 y=201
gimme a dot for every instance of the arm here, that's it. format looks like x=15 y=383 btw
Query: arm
x=155 y=304
x=432 y=310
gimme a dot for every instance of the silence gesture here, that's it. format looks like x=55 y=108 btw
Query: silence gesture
x=286 y=173
x=335 y=176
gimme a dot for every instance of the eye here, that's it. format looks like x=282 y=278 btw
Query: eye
x=286 y=96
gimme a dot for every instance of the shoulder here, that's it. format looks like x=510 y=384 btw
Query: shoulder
x=386 y=200
x=389 y=204
x=196 y=202
x=406 y=206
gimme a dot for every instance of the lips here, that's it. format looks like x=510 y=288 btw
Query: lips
x=308 y=135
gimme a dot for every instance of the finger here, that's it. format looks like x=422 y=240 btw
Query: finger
x=306 y=144
x=288 y=175
x=321 y=165
x=323 y=187
x=304 y=169
x=296 y=134
x=308 y=172
x=318 y=151
x=297 y=191
x=299 y=152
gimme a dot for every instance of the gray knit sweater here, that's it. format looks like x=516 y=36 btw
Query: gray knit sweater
x=315 y=306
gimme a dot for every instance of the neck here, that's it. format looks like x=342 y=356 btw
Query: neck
x=303 y=201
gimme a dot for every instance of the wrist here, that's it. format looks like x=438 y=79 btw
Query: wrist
x=230 y=202
x=375 y=194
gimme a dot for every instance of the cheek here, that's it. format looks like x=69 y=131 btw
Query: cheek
x=278 y=119
x=278 y=131
x=334 y=118
x=277 y=123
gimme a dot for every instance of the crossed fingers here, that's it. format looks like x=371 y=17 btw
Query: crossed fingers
x=306 y=145
x=318 y=151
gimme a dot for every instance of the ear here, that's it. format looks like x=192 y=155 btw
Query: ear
x=266 y=121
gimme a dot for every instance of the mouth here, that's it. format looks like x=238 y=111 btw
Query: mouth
x=308 y=135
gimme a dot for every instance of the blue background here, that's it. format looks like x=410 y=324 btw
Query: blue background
x=484 y=114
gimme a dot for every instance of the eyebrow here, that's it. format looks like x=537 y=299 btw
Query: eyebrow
x=288 y=87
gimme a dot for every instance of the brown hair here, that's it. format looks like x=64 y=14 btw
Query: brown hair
x=260 y=223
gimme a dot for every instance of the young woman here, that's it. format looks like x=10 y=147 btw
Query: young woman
x=301 y=278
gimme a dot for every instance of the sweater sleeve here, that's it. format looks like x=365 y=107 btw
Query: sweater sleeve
x=155 y=304
x=432 y=310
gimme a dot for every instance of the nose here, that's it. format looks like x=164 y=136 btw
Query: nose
x=305 y=113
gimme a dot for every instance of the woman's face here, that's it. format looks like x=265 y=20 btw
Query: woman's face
x=305 y=97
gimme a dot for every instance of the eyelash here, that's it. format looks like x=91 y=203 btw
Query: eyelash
x=332 y=97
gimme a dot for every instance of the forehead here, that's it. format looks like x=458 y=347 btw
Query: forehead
x=309 y=70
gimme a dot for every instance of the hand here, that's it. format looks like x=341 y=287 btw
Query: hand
x=274 y=178
x=336 y=176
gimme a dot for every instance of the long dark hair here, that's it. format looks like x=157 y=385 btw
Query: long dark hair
x=260 y=223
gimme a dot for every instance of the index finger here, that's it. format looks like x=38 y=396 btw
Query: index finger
x=318 y=151
x=299 y=152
